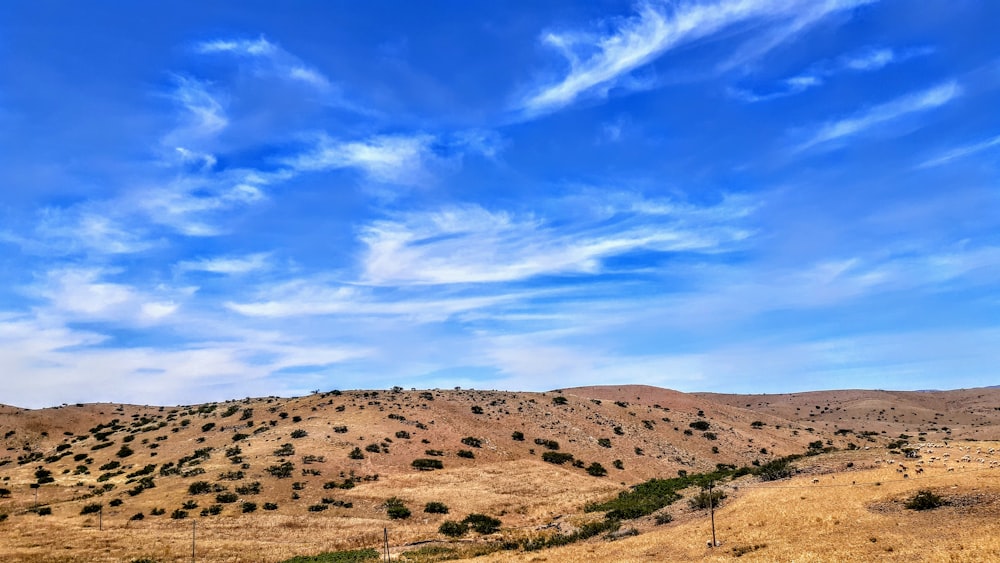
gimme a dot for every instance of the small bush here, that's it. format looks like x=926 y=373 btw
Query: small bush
x=318 y=507
x=427 y=464
x=249 y=507
x=482 y=523
x=356 y=454
x=436 y=508
x=597 y=470
x=517 y=436
x=663 y=518
x=179 y=514
x=925 y=500
x=557 y=458
x=299 y=433
x=270 y=506
x=137 y=516
x=559 y=400
x=396 y=509
x=473 y=442
x=91 y=508
x=199 y=488
x=705 y=499
x=453 y=529
x=604 y=442
x=226 y=497
x=467 y=454
x=700 y=425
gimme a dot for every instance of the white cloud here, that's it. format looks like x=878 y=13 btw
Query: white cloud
x=961 y=152
x=597 y=62
x=396 y=159
x=207 y=115
x=254 y=48
x=277 y=61
x=228 y=264
x=469 y=244
x=880 y=114
x=868 y=60
x=300 y=298
x=85 y=294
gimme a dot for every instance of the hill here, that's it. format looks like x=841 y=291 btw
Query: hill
x=270 y=478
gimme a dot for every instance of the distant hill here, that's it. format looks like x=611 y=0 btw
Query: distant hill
x=336 y=457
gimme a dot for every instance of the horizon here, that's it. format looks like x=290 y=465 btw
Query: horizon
x=719 y=196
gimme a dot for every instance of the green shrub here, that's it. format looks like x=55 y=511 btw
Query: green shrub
x=179 y=514
x=559 y=400
x=354 y=556
x=550 y=444
x=91 y=508
x=699 y=425
x=396 y=509
x=427 y=464
x=705 y=499
x=226 y=498
x=299 y=433
x=774 y=470
x=249 y=507
x=557 y=458
x=356 y=454
x=270 y=506
x=473 y=442
x=453 y=529
x=597 y=470
x=482 y=523
x=199 y=488
x=436 y=508
x=517 y=436
x=925 y=500
x=604 y=442
x=466 y=454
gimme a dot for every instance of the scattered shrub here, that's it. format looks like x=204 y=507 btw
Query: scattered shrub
x=91 y=508
x=557 y=458
x=467 y=454
x=482 y=523
x=299 y=433
x=453 y=529
x=473 y=442
x=597 y=470
x=436 y=508
x=701 y=425
x=925 y=500
x=179 y=514
x=427 y=464
x=396 y=509
x=517 y=436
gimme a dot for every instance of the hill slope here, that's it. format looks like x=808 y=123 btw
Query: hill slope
x=294 y=470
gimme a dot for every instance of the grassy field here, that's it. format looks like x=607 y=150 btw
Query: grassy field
x=846 y=504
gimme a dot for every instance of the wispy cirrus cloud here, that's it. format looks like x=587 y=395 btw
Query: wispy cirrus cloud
x=471 y=244
x=306 y=298
x=867 y=60
x=917 y=102
x=961 y=152
x=204 y=111
x=229 y=265
x=599 y=61
x=87 y=294
x=271 y=58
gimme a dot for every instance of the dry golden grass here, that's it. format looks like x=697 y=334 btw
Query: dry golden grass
x=796 y=520
x=825 y=521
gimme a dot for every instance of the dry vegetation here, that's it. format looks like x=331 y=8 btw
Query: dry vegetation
x=326 y=464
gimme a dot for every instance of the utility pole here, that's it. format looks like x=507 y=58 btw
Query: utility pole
x=385 y=544
x=100 y=519
x=711 y=510
x=194 y=524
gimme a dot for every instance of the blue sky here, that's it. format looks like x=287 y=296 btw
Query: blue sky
x=203 y=201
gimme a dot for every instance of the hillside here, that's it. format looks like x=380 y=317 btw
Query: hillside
x=270 y=478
